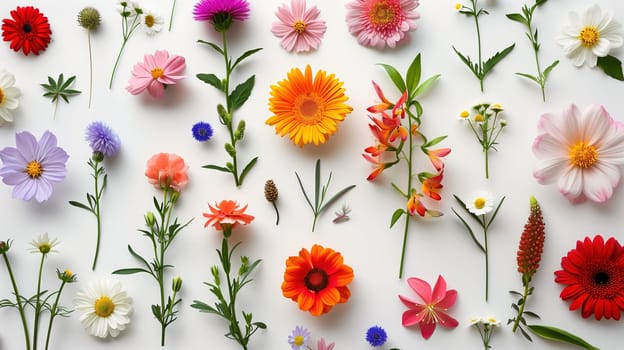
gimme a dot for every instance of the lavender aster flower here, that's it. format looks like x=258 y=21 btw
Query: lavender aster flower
x=221 y=12
x=33 y=165
x=102 y=139
x=376 y=336
x=299 y=338
x=202 y=131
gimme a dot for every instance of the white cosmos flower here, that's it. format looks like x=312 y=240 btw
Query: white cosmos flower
x=8 y=96
x=589 y=35
x=480 y=204
x=582 y=152
x=105 y=306
x=42 y=244
x=152 y=22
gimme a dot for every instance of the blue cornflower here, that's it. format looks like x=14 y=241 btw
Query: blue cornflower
x=376 y=336
x=202 y=131
x=102 y=139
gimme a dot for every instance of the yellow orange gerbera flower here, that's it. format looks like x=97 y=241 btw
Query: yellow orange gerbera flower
x=307 y=108
x=317 y=280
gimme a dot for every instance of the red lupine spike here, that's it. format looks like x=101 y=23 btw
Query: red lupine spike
x=532 y=242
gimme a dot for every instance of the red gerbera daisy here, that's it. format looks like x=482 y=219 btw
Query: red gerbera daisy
x=28 y=31
x=594 y=275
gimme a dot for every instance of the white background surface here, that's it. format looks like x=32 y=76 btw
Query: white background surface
x=147 y=126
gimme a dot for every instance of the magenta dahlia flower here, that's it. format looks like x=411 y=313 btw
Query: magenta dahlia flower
x=298 y=27
x=582 y=152
x=155 y=72
x=221 y=12
x=378 y=23
x=33 y=166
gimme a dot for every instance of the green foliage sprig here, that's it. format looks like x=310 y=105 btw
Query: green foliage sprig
x=319 y=193
x=526 y=18
x=59 y=88
x=482 y=67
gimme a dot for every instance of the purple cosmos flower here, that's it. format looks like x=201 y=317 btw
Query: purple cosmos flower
x=33 y=165
x=102 y=139
x=221 y=12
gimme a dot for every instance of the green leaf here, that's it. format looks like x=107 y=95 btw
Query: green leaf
x=434 y=141
x=60 y=88
x=426 y=85
x=241 y=93
x=245 y=55
x=317 y=183
x=517 y=17
x=495 y=213
x=494 y=60
x=474 y=238
x=463 y=205
x=138 y=257
x=80 y=205
x=211 y=79
x=216 y=167
x=413 y=76
x=539 y=2
x=395 y=76
x=214 y=46
x=528 y=76
x=336 y=196
x=611 y=66
x=396 y=216
x=472 y=66
x=247 y=169
x=304 y=192
x=549 y=69
x=557 y=334
x=129 y=271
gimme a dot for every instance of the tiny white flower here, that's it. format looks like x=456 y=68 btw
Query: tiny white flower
x=589 y=35
x=128 y=7
x=463 y=115
x=152 y=22
x=8 y=96
x=473 y=320
x=480 y=204
x=492 y=321
x=42 y=244
x=106 y=308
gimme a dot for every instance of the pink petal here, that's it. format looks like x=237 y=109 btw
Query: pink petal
x=136 y=85
x=426 y=329
x=611 y=148
x=550 y=170
x=439 y=290
x=174 y=67
x=545 y=146
x=596 y=124
x=280 y=29
x=422 y=288
x=571 y=183
x=599 y=181
x=156 y=89
x=407 y=302
x=298 y=8
x=285 y=15
x=412 y=317
x=160 y=58
x=448 y=300
x=446 y=321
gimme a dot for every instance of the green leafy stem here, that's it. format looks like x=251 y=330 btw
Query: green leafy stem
x=233 y=101
x=59 y=88
x=481 y=68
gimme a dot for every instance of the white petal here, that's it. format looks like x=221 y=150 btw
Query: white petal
x=571 y=183
x=550 y=170
x=599 y=181
x=546 y=146
x=596 y=123
x=601 y=48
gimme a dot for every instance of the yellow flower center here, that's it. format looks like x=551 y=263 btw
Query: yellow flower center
x=478 y=118
x=104 y=307
x=149 y=21
x=1 y=96
x=309 y=110
x=589 y=36
x=157 y=73
x=68 y=273
x=458 y=6
x=381 y=13
x=299 y=340
x=299 y=26
x=34 y=169
x=479 y=202
x=464 y=114
x=583 y=155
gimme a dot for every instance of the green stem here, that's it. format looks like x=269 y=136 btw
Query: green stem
x=524 y=301
x=234 y=325
x=487 y=261
x=110 y=84
x=53 y=314
x=409 y=192
x=171 y=17
x=476 y=17
x=98 y=193
x=20 y=307
x=487 y=166
x=160 y=257
x=38 y=304
x=228 y=106
x=90 y=67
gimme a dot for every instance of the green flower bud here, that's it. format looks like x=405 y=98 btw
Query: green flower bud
x=97 y=156
x=230 y=166
x=174 y=197
x=150 y=220
x=66 y=276
x=224 y=117
x=89 y=18
x=240 y=131
x=4 y=247
x=222 y=21
x=176 y=284
x=230 y=150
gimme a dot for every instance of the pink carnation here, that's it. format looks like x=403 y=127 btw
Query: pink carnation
x=155 y=72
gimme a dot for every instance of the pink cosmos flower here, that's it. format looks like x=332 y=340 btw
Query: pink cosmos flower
x=299 y=29
x=378 y=23
x=583 y=152
x=155 y=72
x=433 y=311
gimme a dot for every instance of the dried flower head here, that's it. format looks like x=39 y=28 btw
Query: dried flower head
x=270 y=191
x=4 y=246
x=89 y=18
x=532 y=241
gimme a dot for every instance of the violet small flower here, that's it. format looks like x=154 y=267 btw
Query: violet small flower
x=202 y=131
x=221 y=13
x=102 y=139
x=299 y=338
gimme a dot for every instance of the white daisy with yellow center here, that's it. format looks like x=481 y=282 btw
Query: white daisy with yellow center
x=106 y=308
x=43 y=244
x=480 y=204
x=152 y=22
x=9 y=95
x=589 y=35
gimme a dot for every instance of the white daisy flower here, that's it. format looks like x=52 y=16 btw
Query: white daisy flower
x=43 y=244
x=152 y=22
x=589 y=35
x=463 y=115
x=106 y=308
x=8 y=96
x=492 y=321
x=473 y=320
x=480 y=204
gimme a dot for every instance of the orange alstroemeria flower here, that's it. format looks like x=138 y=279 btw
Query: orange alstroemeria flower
x=227 y=214
x=317 y=280
x=384 y=105
x=379 y=167
x=435 y=156
x=431 y=187
x=415 y=206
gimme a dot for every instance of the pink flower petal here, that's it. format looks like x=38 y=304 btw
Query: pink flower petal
x=422 y=288
x=156 y=89
x=439 y=290
x=412 y=317
x=446 y=321
x=448 y=300
x=549 y=170
x=426 y=329
x=571 y=183
x=599 y=181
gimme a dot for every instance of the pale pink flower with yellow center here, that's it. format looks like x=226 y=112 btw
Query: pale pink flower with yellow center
x=155 y=72
x=380 y=23
x=583 y=152
x=298 y=27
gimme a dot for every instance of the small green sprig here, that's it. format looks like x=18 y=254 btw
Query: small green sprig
x=59 y=88
x=130 y=21
x=319 y=193
x=526 y=18
x=481 y=68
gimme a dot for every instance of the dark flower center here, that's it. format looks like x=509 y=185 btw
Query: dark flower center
x=316 y=280
x=27 y=28
x=601 y=278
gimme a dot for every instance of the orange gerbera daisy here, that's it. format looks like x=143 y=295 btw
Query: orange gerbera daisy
x=317 y=280
x=307 y=109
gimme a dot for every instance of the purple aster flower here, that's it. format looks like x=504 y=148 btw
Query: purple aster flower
x=33 y=166
x=221 y=12
x=202 y=131
x=299 y=338
x=102 y=139
x=376 y=336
